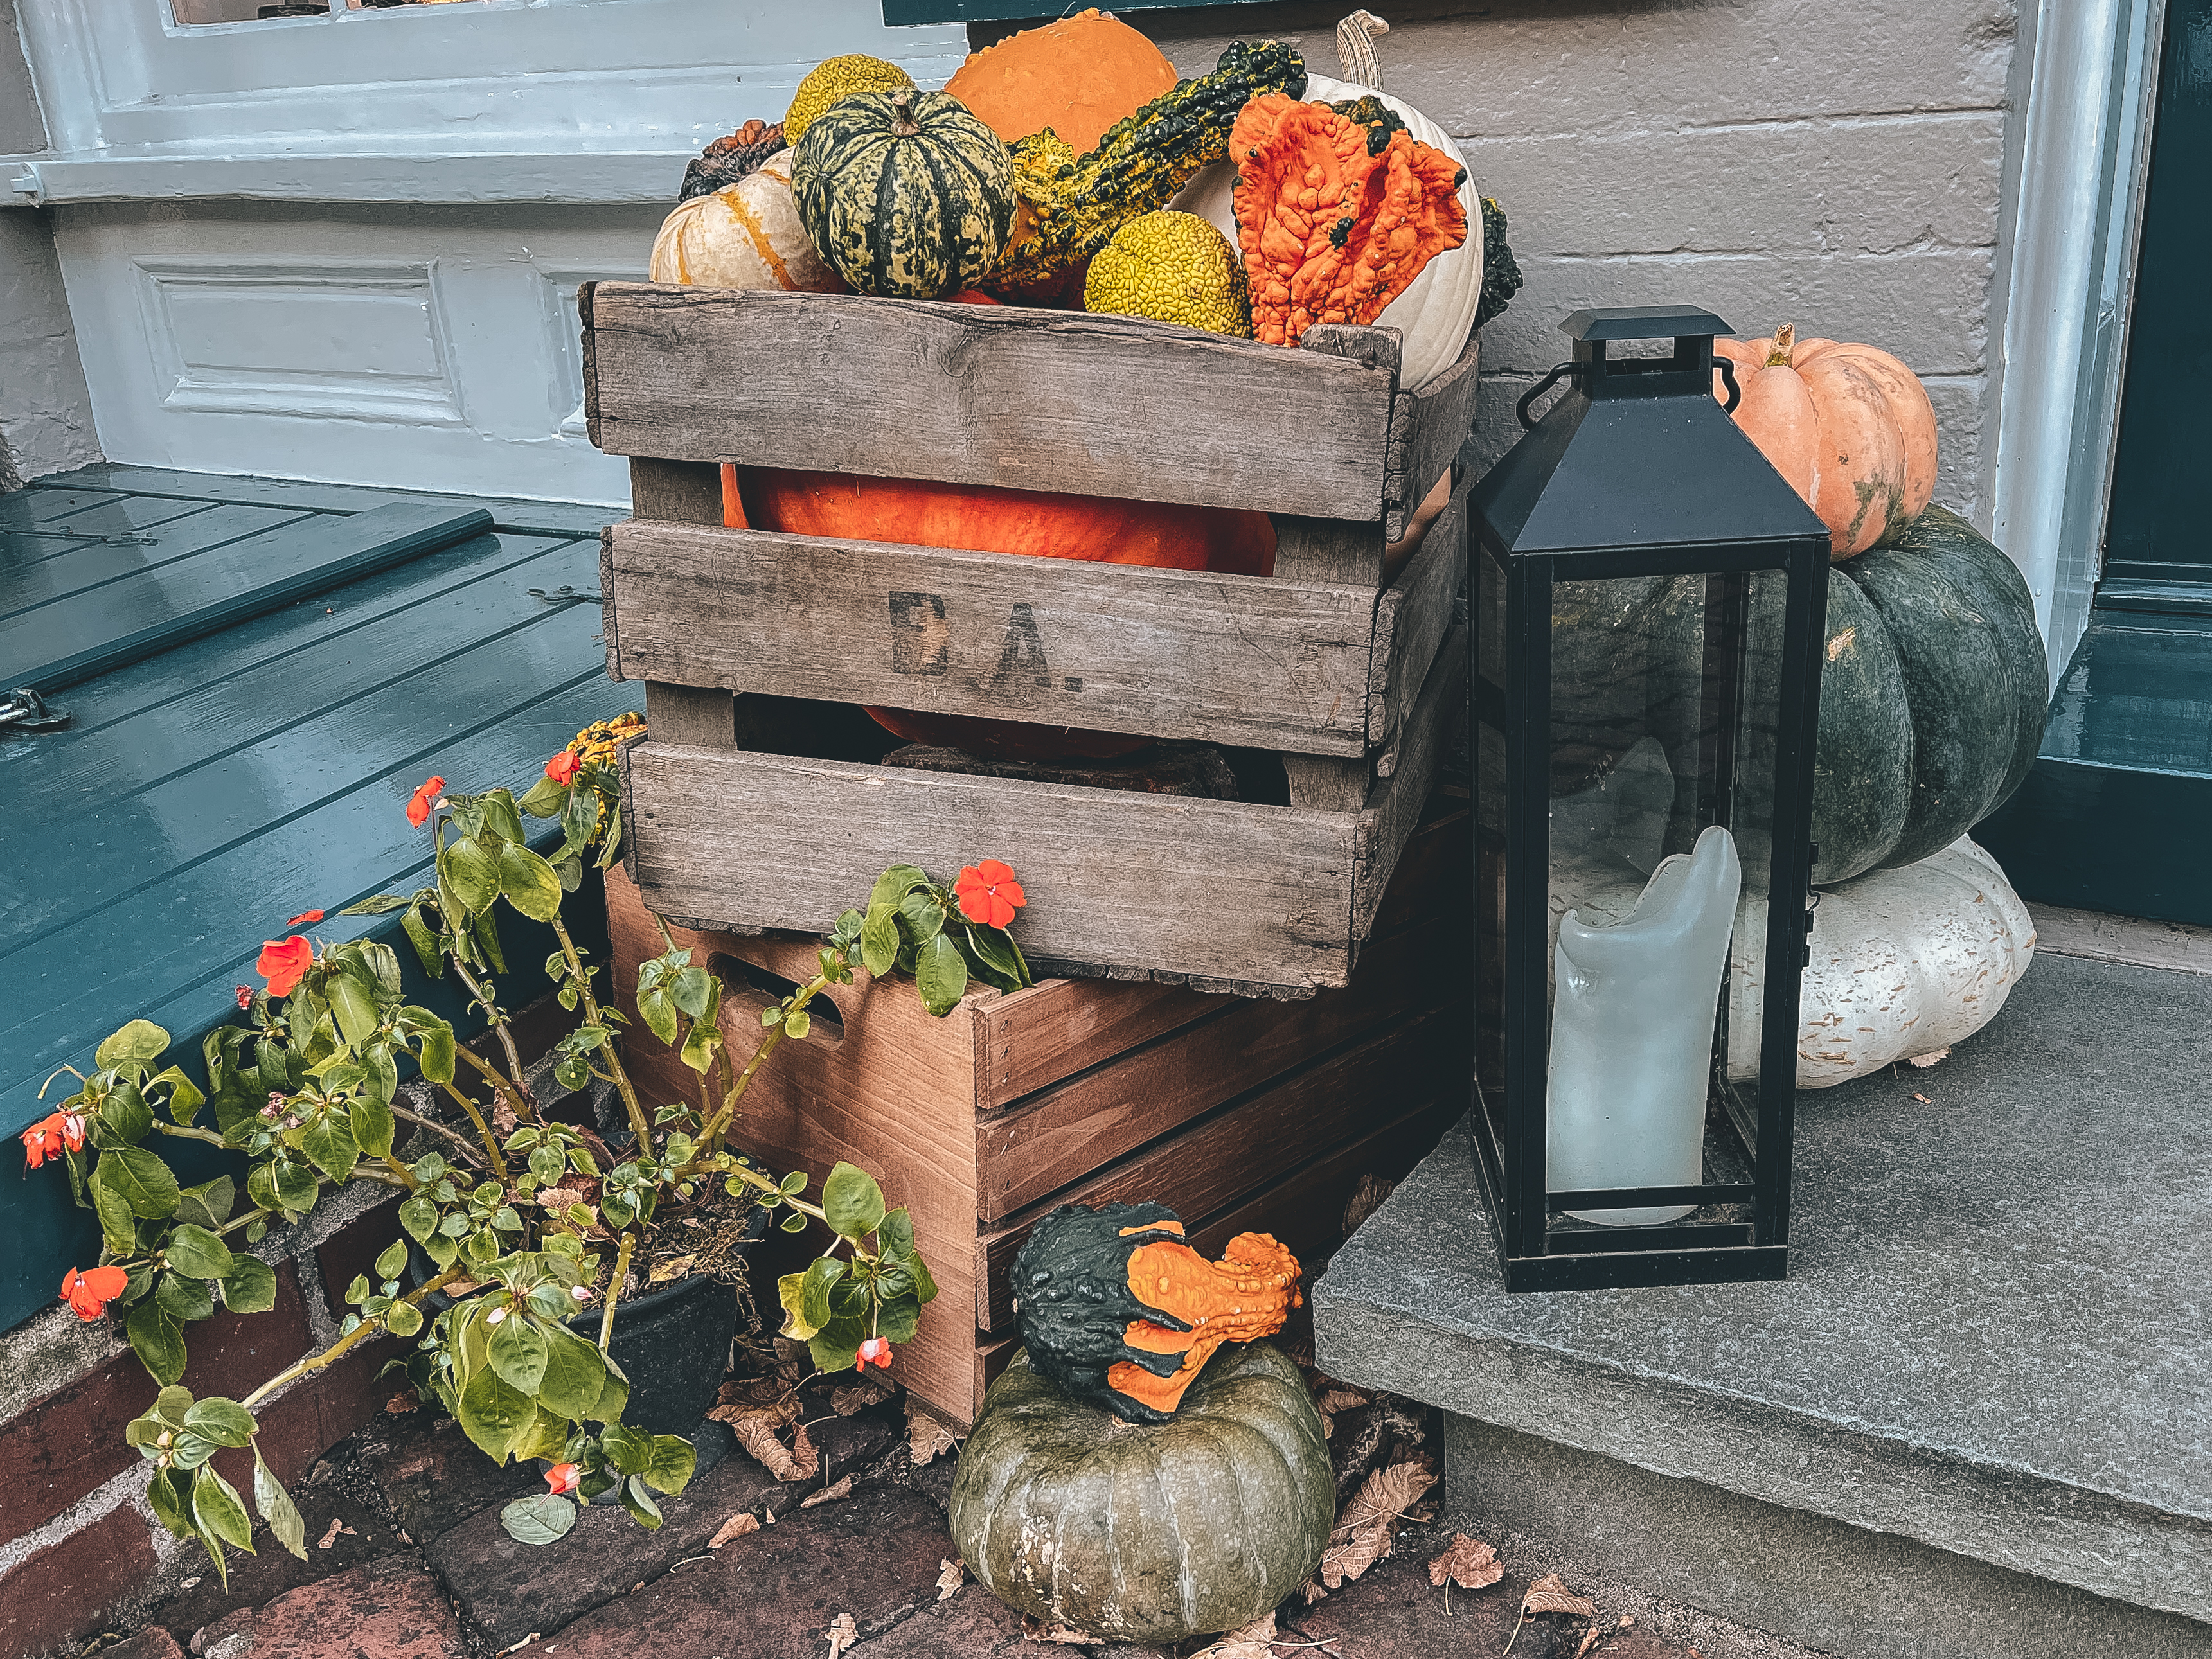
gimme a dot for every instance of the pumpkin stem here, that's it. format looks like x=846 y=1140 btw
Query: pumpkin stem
x=903 y=125
x=1784 y=346
x=1355 y=49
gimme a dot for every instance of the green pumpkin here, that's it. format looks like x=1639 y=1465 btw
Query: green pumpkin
x=1147 y=1531
x=906 y=194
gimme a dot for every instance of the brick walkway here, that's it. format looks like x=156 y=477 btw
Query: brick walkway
x=407 y=1560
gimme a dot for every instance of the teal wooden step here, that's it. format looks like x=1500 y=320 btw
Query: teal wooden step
x=250 y=755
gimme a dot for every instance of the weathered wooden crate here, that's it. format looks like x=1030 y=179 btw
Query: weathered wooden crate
x=1244 y=1114
x=1351 y=679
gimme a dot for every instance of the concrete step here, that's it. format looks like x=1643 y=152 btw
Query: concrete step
x=1974 y=1423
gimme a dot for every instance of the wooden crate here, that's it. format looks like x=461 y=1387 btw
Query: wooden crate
x=1242 y=1113
x=1351 y=679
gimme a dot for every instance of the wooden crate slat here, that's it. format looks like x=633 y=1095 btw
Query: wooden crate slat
x=1394 y=807
x=1007 y=396
x=1245 y=661
x=1028 y=1153
x=1211 y=1163
x=1412 y=618
x=1057 y=1028
x=1209 y=887
x=1437 y=420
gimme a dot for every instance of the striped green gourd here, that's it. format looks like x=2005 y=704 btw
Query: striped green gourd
x=907 y=195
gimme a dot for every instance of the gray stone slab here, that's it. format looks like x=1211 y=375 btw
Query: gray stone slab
x=1994 y=1338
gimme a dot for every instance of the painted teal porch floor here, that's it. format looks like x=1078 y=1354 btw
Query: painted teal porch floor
x=237 y=772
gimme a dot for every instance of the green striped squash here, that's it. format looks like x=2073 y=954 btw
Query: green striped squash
x=907 y=195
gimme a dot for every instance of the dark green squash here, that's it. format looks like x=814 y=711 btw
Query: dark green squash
x=1147 y=1533
x=906 y=194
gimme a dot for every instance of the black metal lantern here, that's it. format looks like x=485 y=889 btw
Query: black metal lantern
x=1649 y=597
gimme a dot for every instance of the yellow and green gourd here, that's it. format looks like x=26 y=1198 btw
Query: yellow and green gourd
x=1173 y=268
x=1072 y=205
x=834 y=78
x=906 y=194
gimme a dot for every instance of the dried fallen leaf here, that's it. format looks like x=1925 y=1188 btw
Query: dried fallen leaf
x=736 y=1404
x=1923 y=1100
x=858 y=1396
x=804 y=1457
x=736 y=1527
x=1366 y=1198
x=757 y=1436
x=1253 y=1641
x=794 y=1360
x=1469 y=1562
x=1314 y=1592
x=1363 y=1531
x=337 y=1527
x=948 y=1579
x=1340 y=1400
x=842 y=1633
x=675 y=1267
x=1550 y=1595
x=1590 y=1641
x=1933 y=1057
x=926 y=1437
x=400 y=1404
x=843 y=1488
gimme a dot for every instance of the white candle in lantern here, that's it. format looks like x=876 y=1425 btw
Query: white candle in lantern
x=1632 y=1017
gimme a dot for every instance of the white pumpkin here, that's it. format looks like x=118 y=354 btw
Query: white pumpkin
x=744 y=235
x=1905 y=963
x=1436 y=313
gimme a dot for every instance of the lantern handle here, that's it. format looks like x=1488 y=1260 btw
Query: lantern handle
x=1540 y=389
x=1728 y=377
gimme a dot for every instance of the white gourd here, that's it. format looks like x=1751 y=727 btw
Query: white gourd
x=1905 y=963
x=747 y=235
x=1436 y=313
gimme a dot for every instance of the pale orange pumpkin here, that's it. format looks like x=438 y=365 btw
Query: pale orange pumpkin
x=1848 y=425
x=1078 y=77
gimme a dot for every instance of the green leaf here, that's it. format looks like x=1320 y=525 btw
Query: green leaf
x=494 y=1413
x=157 y=1341
x=184 y=1300
x=613 y=1398
x=197 y=1253
x=356 y=1009
x=792 y=1184
x=125 y=1117
x=895 y=1235
x=499 y=816
x=139 y=1179
x=896 y=1319
x=794 y=1224
x=140 y=1040
x=383 y=904
x=923 y=915
x=184 y=1097
x=171 y=1405
x=821 y=1277
x=672 y=1464
x=852 y=1203
x=880 y=939
x=925 y=1287
x=701 y=1044
x=545 y=799
x=223 y=1421
x=419 y=1216
x=941 y=975
x=798 y=1024
x=389 y=1265
x=171 y=1500
x=328 y=1142
x=639 y=1502
x=573 y=1377
x=529 y=882
x=994 y=950
x=658 y=1012
x=428 y=950
x=835 y=1346
x=403 y=1319
x=372 y=1124
x=437 y=1054
x=218 y=1509
x=285 y=1523
x=119 y=1228
x=518 y=1353
x=296 y=1186
x=612 y=844
x=473 y=870
x=695 y=990
x=208 y=1204
x=383 y=1080
x=250 y=1287
x=895 y=884
x=631 y=1451
x=485 y=927
x=540 y=1518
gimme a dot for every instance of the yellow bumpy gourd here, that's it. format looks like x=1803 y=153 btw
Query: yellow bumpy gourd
x=1174 y=268
x=834 y=78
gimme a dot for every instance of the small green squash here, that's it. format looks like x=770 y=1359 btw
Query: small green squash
x=1147 y=1533
x=906 y=194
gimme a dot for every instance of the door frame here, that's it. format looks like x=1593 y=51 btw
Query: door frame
x=2084 y=86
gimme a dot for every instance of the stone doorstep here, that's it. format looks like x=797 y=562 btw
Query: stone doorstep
x=1991 y=1342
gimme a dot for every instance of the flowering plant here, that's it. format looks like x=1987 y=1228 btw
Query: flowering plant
x=516 y=1223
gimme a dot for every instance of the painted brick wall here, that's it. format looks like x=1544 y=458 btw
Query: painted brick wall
x=1836 y=166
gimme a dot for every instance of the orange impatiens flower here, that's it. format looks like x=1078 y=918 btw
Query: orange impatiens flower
x=563 y=767
x=563 y=1479
x=874 y=1352
x=282 y=964
x=988 y=893
x=305 y=918
x=51 y=1136
x=418 y=809
x=89 y=1292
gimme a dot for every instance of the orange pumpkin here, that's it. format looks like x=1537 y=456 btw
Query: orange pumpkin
x=1078 y=77
x=1848 y=425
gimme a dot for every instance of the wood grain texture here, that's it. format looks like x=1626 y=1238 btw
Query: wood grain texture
x=1217 y=1161
x=1394 y=807
x=686 y=715
x=1326 y=783
x=1054 y=1138
x=1254 y=661
x=609 y=634
x=1343 y=550
x=684 y=492
x=1437 y=420
x=1059 y=1027
x=1206 y=887
x=1412 y=618
x=1008 y=396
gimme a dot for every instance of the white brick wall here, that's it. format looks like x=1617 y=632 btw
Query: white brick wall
x=1836 y=165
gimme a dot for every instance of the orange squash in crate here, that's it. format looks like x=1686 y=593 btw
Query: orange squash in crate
x=1848 y=425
